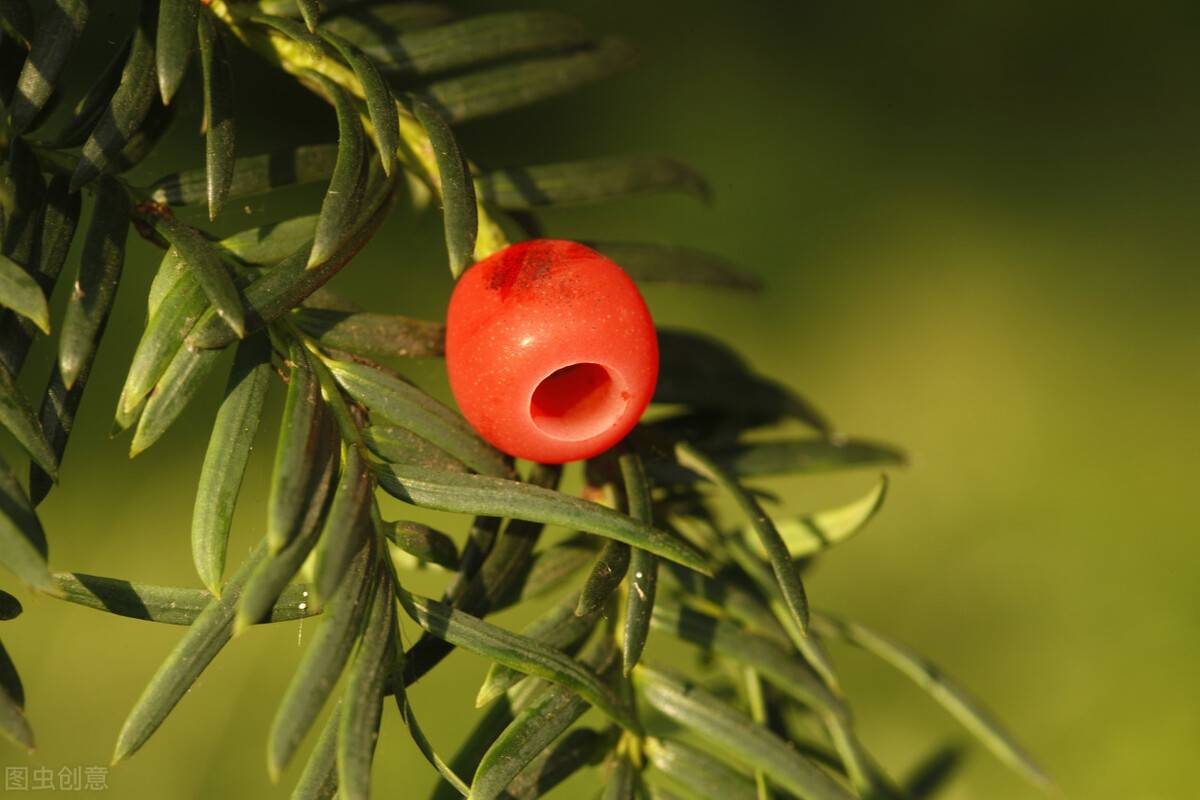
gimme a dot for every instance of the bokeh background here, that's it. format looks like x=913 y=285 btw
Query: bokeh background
x=978 y=226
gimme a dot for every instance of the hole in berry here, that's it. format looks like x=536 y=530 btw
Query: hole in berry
x=577 y=402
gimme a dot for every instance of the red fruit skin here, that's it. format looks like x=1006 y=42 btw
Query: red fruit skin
x=521 y=315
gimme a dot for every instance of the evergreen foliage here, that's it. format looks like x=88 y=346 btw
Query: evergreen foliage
x=651 y=555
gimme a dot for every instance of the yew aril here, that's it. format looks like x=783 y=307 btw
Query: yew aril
x=551 y=351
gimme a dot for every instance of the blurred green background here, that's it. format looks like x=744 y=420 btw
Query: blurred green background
x=978 y=225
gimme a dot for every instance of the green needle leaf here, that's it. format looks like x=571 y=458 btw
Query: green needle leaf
x=423 y=542
x=370 y=334
x=252 y=175
x=10 y=608
x=493 y=566
x=394 y=399
x=145 y=137
x=226 y=458
x=284 y=286
x=776 y=664
x=482 y=536
x=17 y=417
x=964 y=708
x=177 y=301
x=457 y=188
x=13 y=724
x=205 y=637
x=730 y=598
x=168 y=605
x=92 y=105
x=794 y=723
x=204 y=259
x=643 y=566
x=180 y=382
x=175 y=42
x=123 y=421
x=401 y=446
x=381 y=105
x=294 y=31
x=803 y=456
x=319 y=779
x=52 y=45
x=643 y=583
x=375 y=24
x=478 y=39
x=343 y=196
x=784 y=568
x=346 y=526
x=657 y=263
x=346 y=419
x=24 y=195
x=166 y=278
x=734 y=732
x=129 y=107
x=490 y=725
x=96 y=286
x=449 y=776
x=311 y=11
x=273 y=575
x=699 y=773
x=362 y=704
x=59 y=218
x=22 y=541
x=592 y=181
x=218 y=117
x=763 y=577
x=786 y=671
x=322 y=663
x=57 y=419
x=267 y=244
x=487 y=496
x=518 y=652
x=20 y=292
x=560 y=628
x=560 y=761
x=534 y=729
x=298 y=462
x=623 y=780
x=10 y=680
x=606 y=575
x=59 y=404
x=261 y=245
x=508 y=86
x=812 y=533
x=24 y=190
x=929 y=776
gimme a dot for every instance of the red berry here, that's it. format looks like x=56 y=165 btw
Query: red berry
x=551 y=351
